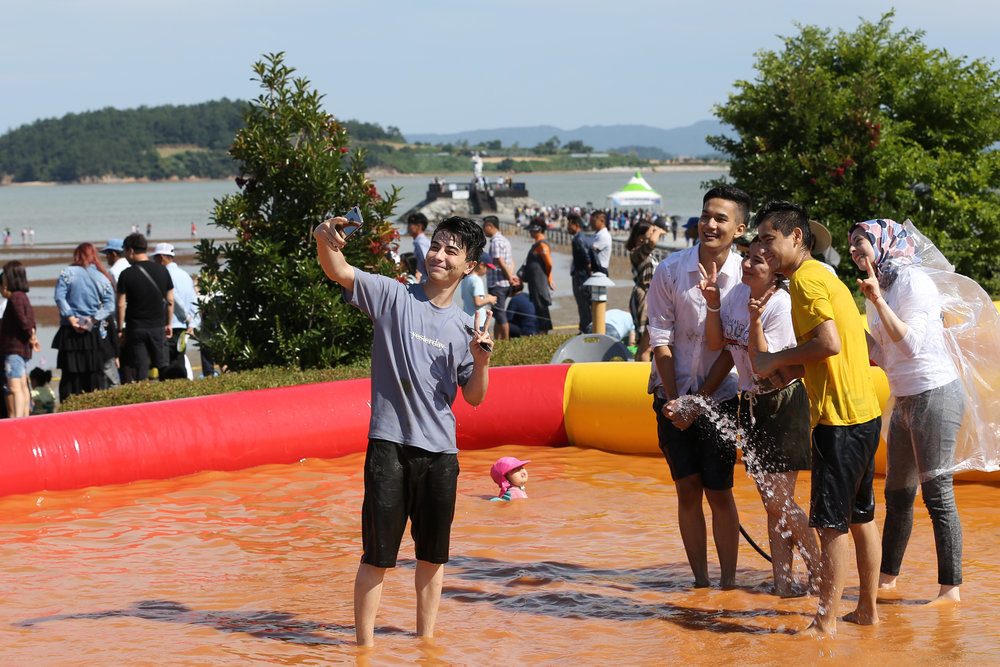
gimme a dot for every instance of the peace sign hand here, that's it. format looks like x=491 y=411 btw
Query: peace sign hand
x=756 y=306
x=708 y=286
x=482 y=344
x=870 y=285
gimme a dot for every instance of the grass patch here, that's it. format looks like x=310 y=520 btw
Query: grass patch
x=515 y=352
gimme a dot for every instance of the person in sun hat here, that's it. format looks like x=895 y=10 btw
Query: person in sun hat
x=114 y=253
x=185 y=319
x=509 y=474
x=822 y=240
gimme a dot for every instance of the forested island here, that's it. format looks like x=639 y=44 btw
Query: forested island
x=192 y=142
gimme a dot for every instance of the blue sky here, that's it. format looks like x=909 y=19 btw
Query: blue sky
x=433 y=66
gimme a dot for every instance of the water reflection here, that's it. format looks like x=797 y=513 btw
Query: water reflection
x=277 y=625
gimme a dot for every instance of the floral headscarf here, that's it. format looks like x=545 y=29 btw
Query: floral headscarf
x=895 y=247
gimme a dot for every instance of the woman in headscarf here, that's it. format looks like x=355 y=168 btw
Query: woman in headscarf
x=907 y=341
x=85 y=297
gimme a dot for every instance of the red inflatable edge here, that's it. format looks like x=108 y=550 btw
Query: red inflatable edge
x=524 y=406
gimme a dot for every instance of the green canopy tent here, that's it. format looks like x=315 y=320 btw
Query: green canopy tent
x=636 y=193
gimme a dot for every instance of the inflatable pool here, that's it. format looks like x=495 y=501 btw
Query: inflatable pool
x=601 y=405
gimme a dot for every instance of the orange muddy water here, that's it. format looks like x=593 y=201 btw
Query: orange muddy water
x=258 y=566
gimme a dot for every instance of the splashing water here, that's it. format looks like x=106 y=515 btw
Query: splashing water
x=729 y=429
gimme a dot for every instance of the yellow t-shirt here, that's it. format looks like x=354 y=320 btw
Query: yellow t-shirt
x=841 y=391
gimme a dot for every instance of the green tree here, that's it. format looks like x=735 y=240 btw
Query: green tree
x=270 y=302
x=550 y=147
x=872 y=123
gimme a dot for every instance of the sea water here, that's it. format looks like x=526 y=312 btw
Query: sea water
x=77 y=213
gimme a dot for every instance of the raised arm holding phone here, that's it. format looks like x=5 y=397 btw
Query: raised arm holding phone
x=425 y=347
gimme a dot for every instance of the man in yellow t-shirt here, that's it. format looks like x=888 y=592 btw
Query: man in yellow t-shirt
x=833 y=355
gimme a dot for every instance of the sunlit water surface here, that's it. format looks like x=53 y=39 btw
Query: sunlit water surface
x=258 y=566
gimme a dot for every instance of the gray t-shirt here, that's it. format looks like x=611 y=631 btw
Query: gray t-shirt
x=420 y=356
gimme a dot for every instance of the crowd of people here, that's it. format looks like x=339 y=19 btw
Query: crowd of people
x=123 y=322
x=754 y=343
x=763 y=349
x=774 y=343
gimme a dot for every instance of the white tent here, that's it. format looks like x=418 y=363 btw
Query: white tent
x=636 y=193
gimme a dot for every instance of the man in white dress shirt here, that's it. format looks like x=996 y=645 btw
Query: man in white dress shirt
x=701 y=458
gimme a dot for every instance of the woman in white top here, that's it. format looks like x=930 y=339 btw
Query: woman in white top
x=907 y=342
x=773 y=411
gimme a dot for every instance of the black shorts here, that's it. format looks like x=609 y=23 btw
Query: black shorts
x=778 y=430
x=500 y=307
x=701 y=448
x=843 y=465
x=401 y=483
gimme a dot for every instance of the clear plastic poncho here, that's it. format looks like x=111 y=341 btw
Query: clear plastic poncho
x=972 y=337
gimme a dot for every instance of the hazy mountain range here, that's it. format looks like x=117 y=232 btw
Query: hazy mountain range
x=679 y=141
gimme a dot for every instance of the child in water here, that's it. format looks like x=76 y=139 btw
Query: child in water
x=509 y=473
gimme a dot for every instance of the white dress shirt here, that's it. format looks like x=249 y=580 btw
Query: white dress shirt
x=677 y=312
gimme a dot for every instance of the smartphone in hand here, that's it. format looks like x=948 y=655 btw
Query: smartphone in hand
x=354 y=222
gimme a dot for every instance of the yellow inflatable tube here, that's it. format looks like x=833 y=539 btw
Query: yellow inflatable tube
x=605 y=406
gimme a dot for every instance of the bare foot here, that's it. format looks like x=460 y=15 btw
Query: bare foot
x=702 y=583
x=947 y=596
x=886 y=582
x=814 y=630
x=860 y=617
x=796 y=590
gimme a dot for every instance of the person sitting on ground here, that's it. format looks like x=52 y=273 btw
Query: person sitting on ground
x=523 y=320
x=43 y=399
x=619 y=325
x=510 y=475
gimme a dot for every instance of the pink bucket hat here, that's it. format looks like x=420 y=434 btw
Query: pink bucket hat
x=500 y=469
